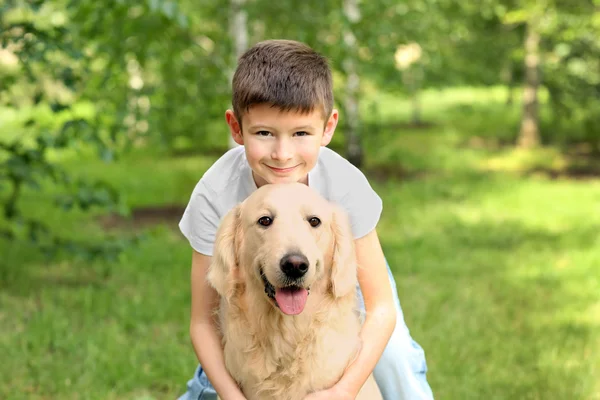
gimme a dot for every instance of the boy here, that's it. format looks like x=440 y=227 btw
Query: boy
x=283 y=118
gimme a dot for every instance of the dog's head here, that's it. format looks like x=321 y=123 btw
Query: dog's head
x=283 y=239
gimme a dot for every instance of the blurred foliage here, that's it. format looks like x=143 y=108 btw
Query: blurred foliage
x=572 y=76
x=108 y=76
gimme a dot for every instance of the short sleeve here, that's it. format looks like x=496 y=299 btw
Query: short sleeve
x=363 y=205
x=200 y=220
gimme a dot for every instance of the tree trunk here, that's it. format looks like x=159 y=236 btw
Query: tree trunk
x=410 y=80
x=354 y=151
x=238 y=30
x=508 y=79
x=529 y=135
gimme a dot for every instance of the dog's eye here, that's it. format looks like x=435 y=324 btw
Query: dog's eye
x=314 y=221
x=265 y=221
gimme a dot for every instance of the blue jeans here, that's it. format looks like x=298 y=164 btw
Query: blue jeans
x=400 y=372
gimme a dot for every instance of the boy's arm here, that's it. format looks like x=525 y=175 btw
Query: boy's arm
x=203 y=330
x=379 y=322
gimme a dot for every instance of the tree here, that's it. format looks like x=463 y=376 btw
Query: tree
x=238 y=29
x=552 y=30
x=406 y=57
x=113 y=75
x=529 y=135
x=48 y=67
x=354 y=151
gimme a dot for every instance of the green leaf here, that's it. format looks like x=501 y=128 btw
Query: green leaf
x=516 y=16
x=32 y=183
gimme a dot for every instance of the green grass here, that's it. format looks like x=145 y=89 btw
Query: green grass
x=499 y=281
x=497 y=273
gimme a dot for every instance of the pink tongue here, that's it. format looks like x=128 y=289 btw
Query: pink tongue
x=291 y=301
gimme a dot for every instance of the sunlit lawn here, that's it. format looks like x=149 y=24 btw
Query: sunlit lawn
x=498 y=275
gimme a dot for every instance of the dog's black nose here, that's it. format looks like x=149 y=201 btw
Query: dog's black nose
x=294 y=265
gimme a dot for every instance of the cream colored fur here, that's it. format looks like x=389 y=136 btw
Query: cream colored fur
x=272 y=355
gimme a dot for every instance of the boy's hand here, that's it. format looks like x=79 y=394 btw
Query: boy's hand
x=334 y=393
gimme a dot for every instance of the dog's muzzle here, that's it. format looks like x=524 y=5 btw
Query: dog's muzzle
x=269 y=289
x=290 y=297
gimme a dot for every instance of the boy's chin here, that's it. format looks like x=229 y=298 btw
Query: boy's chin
x=262 y=180
x=284 y=180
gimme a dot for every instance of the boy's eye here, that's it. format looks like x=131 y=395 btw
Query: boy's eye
x=263 y=133
x=301 y=133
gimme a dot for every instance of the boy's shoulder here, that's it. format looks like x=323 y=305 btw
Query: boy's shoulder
x=345 y=184
x=338 y=167
x=334 y=161
x=227 y=169
x=339 y=174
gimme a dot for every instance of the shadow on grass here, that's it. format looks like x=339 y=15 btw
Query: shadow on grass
x=144 y=217
x=25 y=271
x=575 y=170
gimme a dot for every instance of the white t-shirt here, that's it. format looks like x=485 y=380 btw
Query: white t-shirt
x=229 y=181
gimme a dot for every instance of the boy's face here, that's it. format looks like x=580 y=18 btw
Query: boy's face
x=281 y=146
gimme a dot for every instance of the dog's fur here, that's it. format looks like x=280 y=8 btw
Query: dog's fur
x=270 y=354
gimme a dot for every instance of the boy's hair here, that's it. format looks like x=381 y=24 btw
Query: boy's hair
x=284 y=73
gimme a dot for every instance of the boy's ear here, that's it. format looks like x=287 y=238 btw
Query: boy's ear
x=234 y=127
x=330 y=126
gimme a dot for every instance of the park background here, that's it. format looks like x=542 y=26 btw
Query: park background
x=478 y=123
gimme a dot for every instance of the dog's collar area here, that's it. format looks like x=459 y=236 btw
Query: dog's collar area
x=270 y=289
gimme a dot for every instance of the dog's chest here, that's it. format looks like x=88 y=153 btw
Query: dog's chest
x=285 y=362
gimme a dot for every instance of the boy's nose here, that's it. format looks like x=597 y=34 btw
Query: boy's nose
x=283 y=151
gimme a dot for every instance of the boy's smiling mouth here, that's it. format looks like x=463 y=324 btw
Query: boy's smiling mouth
x=282 y=170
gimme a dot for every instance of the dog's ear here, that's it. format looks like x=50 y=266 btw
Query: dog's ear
x=343 y=268
x=222 y=270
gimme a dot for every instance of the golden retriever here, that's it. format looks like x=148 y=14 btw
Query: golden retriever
x=285 y=268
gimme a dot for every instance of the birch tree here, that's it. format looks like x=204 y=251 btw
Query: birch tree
x=238 y=31
x=354 y=151
x=529 y=134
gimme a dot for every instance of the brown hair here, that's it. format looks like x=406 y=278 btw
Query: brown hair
x=284 y=73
